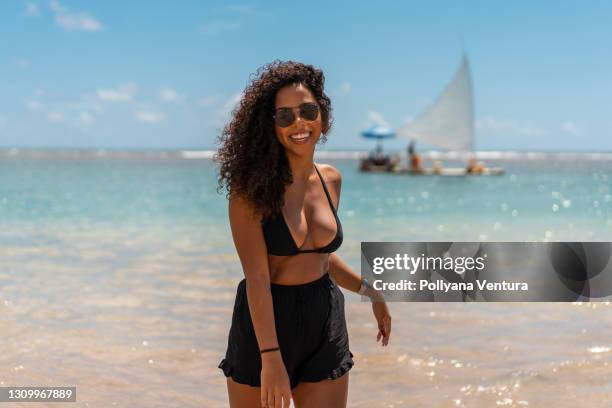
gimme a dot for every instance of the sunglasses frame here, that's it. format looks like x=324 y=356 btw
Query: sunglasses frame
x=299 y=113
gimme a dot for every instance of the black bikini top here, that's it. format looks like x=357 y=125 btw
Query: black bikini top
x=279 y=240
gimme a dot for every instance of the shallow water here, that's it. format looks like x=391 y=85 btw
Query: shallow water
x=118 y=276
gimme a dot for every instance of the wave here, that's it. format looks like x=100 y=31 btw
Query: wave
x=203 y=154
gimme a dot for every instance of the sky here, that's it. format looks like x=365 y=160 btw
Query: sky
x=162 y=74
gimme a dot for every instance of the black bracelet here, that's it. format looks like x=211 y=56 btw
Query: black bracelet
x=270 y=349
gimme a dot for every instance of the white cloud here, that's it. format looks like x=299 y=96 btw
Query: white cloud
x=219 y=26
x=208 y=100
x=34 y=105
x=31 y=9
x=147 y=116
x=375 y=118
x=80 y=113
x=78 y=22
x=86 y=103
x=168 y=95
x=345 y=87
x=569 y=127
x=227 y=18
x=96 y=107
x=73 y=21
x=223 y=111
x=499 y=125
x=55 y=116
x=120 y=94
x=84 y=120
x=232 y=101
x=56 y=7
x=239 y=9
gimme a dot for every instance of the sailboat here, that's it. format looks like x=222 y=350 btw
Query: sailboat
x=448 y=124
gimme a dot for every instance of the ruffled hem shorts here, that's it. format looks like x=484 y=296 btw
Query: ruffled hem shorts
x=311 y=332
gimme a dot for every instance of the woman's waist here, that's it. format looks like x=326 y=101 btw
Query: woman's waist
x=294 y=271
x=323 y=281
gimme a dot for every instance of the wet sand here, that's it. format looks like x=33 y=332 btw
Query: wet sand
x=119 y=277
x=134 y=321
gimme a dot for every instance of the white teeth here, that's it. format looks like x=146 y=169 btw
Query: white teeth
x=300 y=136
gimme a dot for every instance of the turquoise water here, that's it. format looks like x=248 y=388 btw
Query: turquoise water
x=169 y=200
x=535 y=200
x=118 y=274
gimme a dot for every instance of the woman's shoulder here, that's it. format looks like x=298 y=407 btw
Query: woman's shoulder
x=329 y=173
x=240 y=206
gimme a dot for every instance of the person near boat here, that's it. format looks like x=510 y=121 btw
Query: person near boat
x=436 y=167
x=414 y=159
x=475 y=167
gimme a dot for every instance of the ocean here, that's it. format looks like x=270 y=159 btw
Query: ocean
x=118 y=275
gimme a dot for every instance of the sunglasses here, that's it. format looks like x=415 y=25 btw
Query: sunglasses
x=284 y=117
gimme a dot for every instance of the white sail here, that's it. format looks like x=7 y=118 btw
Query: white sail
x=449 y=122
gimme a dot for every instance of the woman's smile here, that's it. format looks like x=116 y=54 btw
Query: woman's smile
x=301 y=137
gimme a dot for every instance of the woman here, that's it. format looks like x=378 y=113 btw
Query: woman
x=288 y=337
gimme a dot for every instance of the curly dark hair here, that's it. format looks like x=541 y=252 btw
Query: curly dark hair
x=253 y=163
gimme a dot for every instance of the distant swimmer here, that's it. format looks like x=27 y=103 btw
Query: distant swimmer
x=414 y=159
x=475 y=167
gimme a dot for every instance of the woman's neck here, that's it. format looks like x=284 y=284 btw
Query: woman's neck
x=302 y=167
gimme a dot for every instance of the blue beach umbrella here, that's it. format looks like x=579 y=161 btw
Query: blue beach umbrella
x=379 y=133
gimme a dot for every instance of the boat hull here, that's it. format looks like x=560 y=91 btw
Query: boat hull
x=445 y=172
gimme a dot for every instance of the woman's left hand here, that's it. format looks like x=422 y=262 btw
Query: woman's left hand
x=381 y=312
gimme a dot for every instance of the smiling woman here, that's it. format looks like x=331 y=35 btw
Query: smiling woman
x=288 y=337
x=253 y=160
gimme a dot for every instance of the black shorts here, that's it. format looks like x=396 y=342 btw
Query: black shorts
x=311 y=332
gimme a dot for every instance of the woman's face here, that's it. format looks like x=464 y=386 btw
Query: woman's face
x=302 y=135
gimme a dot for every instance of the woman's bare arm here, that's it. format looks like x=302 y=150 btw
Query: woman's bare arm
x=251 y=248
x=343 y=274
x=346 y=278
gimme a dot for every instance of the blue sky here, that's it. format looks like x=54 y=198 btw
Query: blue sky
x=165 y=74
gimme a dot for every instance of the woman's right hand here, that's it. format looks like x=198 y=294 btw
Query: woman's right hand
x=275 y=387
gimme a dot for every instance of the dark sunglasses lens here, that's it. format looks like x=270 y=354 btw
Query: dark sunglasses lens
x=284 y=117
x=309 y=111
